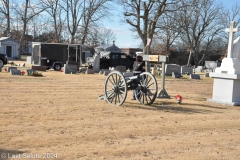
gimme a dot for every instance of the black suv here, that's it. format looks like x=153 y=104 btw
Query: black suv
x=3 y=60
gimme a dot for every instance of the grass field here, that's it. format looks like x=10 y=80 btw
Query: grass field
x=59 y=117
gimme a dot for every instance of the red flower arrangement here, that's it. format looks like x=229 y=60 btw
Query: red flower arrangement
x=5 y=69
x=179 y=98
x=22 y=72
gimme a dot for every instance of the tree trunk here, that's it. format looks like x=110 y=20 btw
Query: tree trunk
x=196 y=59
x=189 y=58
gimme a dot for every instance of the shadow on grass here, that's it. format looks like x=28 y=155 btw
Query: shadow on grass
x=175 y=108
x=10 y=154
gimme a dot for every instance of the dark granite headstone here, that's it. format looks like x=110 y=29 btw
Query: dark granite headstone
x=194 y=76
x=30 y=71
x=70 y=69
x=121 y=68
x=9 y=68
x=39 y=68
x=73 y=63
x=15 y=72
x=172 y=68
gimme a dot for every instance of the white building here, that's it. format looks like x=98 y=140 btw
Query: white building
x=9 y=47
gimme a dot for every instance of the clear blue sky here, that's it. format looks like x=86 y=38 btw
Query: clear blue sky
x=125 y=38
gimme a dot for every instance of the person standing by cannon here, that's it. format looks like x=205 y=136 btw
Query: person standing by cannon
x=138 y=68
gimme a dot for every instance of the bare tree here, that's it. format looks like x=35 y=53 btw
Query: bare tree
x=199 y=23
x=5 y=10
x=99 y=36
x=81 y=15
x=228 y=15
x=74 y=14
x=143 y=16
x=26 y=11
x=168 y=31
x=54 y=9
x=106 y=36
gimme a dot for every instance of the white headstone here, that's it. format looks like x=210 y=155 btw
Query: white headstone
x=96 y=63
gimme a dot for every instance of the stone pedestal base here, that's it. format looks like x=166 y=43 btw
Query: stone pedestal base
x=229 y=66
x=226 y=89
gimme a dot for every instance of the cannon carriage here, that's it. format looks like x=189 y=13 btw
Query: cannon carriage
x=117 y=86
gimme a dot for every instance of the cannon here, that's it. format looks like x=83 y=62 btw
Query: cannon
x=117 y=86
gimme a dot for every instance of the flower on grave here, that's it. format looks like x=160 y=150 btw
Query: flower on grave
x=179 y=99
x=5 y=69
x=60 y=70
x=36 y=74
x=22 y=72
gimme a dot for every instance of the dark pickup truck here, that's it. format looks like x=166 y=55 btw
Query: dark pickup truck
x=110 y=59
x=3 y=60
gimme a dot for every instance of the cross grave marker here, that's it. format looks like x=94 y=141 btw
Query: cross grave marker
x=231 y=31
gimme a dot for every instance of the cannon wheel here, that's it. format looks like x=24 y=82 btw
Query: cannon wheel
x=115 y=89
x=148 y=92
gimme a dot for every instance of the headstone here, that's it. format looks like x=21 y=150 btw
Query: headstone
x=226 y=84
x=96 y=63
x=198 y=69
x=29 y=59
x=176 y=75
x=106 y=72
x=194 y=76
x=121 y=68
x=15 y=72
x=30 y=71
x=70 y=69
x=103 y=70
x=210 y=65
x=127 y=74
x=206 y=75
x=74 y=63
x=82 y=70
x=39 y=68
x=89 y=71
x=186 y=70
x=9 y=68
x=172 y=68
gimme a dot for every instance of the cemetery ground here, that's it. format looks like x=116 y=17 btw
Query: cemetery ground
x=61 y=115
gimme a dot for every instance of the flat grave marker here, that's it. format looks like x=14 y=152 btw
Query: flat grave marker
x=30 y=71
x=194 y=76
x=176 y=75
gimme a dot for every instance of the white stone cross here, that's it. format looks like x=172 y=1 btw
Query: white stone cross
x=231 y=31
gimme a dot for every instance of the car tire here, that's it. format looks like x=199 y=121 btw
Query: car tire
x=57 y=67
x=1 y=63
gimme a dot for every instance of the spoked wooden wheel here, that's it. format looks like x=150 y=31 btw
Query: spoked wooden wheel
x=115 y=89
x=148 y=92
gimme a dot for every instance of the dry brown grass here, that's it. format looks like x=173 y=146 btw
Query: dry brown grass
x=60 y=114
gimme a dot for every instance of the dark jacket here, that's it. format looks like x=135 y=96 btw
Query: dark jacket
x=138 y=66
